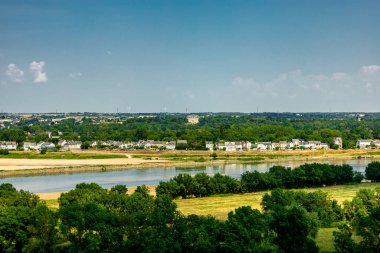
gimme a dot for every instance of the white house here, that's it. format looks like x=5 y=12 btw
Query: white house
x=363 y=144
x=70 y=145
x=45 y=145
x=282 y=145
x=247 y=145
x=338 y=141
x=264 y=145
x=29 y=145
x=209 y=145
x=230 y=146
x=376 y=144
x=170 y=145
x=9 y=145
x=324 y=146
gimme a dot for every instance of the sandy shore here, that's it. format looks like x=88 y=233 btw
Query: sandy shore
x=7 y=164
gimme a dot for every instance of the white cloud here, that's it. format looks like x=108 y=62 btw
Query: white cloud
x=370 y=70
x=14 y=73
x=340 y=76
x=74 y=75
x=241 y=82
x=37 y=69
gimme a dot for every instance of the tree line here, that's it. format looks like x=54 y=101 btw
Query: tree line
x=307 y=175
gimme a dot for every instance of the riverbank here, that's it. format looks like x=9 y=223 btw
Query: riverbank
x=15 y=167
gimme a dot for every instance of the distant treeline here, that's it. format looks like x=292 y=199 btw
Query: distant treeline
x=252 y=128
x=307 y=175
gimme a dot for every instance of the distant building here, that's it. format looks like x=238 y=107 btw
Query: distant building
x=71 y=145
x=338 y=141
x=192 y=119
x=9 y=145
x=363 y=144
x=376 y=144
x=170 y=145
x=45 y=145
x=29 y=145
x=209 y=145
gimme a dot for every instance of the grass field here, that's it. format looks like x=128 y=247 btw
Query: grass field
x=219 y=206
x=59 y=155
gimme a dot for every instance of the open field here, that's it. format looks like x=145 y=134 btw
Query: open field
x=219 y=206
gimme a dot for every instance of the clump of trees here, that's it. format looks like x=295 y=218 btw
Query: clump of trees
x=363 y=218
x=93 y=219
x=307 y=175
x=373 y=171
x=26 y=224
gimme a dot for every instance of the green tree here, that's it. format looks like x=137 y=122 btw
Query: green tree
x=373 y=171
x=294 y=229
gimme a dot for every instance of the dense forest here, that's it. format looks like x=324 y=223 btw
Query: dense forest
x=210 y=128
x=93 y=219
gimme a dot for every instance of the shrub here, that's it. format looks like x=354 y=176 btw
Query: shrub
x=372 y=171
x=4 y=152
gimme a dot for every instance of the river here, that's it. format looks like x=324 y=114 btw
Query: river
x=152 y=176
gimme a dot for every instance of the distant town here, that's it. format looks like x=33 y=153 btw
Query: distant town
x=62 y=131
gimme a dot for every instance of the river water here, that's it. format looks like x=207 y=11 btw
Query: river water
x=152 y=176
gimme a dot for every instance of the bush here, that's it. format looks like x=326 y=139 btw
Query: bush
x=372 y=171
x=43 y=151
x=4 y=152
x=358 y=177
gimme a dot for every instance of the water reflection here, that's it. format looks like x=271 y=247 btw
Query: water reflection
x=152 y=176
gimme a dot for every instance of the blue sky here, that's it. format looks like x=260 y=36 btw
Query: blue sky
x=154 y=56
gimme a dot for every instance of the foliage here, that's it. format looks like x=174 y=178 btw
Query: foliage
x=373 y=171
x=294 y=229
x=308 y=175
x=327 y=211
x=214 y=155
x=26 y=224
x=4 y=152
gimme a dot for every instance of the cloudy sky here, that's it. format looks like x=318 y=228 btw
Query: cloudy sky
x=154 y=56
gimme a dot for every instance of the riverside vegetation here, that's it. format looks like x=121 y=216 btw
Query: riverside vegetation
x=93 y=219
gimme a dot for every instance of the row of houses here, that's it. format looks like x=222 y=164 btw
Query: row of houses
x=9 y=145
x=149 y=144
x=368 y=144
x=282 y=145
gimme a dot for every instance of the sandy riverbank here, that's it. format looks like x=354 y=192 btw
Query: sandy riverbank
x=28 y=167
x=7 y=164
